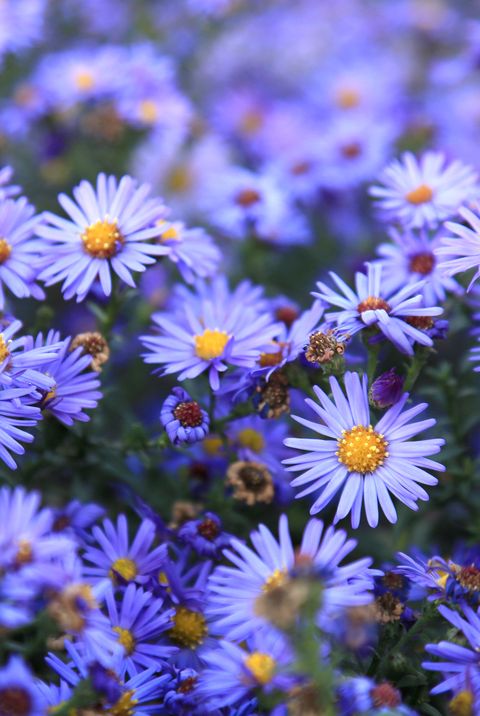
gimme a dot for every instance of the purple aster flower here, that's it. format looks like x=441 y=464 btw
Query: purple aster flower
x=77 y=517
x=459 y=665
x=210 y=331
x=24 y=363
x=395 y=314
x=180 y=693
x=109 y=229
x=22 y=24
x=140 y=622
x=461 y=252
x=73 y=385
x=139 y=694
x=54 y=695
x=205 y=535
x=16 y=414
x=234 y=673
x=28 y=545
x=192 y=250
x=183 y=418
x=387 y=389
x=360 y=694
x=19 y=693
x=18 y=600
x=234 y=591
x=365 y=462
x=411 y=258
x=121 y=562
x=19 y=250
x=422 y=193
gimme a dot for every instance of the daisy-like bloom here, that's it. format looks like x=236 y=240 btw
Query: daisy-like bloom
x=138 y=695
x=411 y=258
x=22 y=362
x=459 y=665
x=183 y=418
x=234 y=673
x=205 y=535
x=192 y=250
x=16 y=414
x=77 y=517
x=365 y=462
x=210 y=331
x=359 y=694
x=120 y=561
x=73 y=386
x=19 y=250
x=139 y=623
x=19 y=694
x=109 y=229
x=399 y=315
x=235 y=591
x=423 y=192
x=461 y=252
x=7 y=190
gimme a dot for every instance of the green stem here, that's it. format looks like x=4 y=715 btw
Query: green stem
x=418 y=362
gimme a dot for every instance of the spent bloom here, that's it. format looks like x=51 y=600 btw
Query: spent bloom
x=400 y=315
x=423 y=192
x=365 y=463
x=109 y=228
x=184 y=420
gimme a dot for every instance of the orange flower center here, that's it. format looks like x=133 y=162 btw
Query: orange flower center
x=102 y=240
x=421 y=195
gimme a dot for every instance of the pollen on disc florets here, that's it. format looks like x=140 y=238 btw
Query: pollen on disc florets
x=5 y=250
x=102 y=240
x=210 y=344
x=361 y=449
x=125 y=568
x=261 y=666
x=189 y=628
x=373 y=303
x=126 y=639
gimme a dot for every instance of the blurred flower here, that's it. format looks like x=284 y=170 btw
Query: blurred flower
x=422 y=193
x=18 y=691
x=462 y=252
x=192 y=250
x=386 y=390
x=205 y=535
x=366 y=463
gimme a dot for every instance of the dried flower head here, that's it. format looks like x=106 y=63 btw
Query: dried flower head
x=251 y=482
x=324 y=347
x=94 y=344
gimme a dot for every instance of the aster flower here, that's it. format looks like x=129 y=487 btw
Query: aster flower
x=208 y=333
x=16 y=414
x=7 y=190
x=411 y=258
x=121 y=562
x=73 y=387
x=395 y=314
x=424 y=192
x=205 y=535
x=461 y=252
x=183 y=418
x=18 y=692
x=365 y=462
x=140 y=693
x=139 y=622
x=18 y=250
x=192 y=250
x=459 y=665
x=108 y=229
x=234 y=591
x=77 y=517
x=360 y=694
x=234 y=673
x=24 y=363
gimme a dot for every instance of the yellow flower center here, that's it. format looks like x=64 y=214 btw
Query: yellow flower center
x=348 y=98
x=180 y=179
x=210 y=344
x=125 y=705
x=189 y=628
x=5 y=250
x=24 y=552
x=252 y=439
x=4 y=352
x=461 y=704
x=170 y=233
x=125 y=637
x=421 y=195
x=261 y=666
x=125 y=567
x=212 y=445
x=361 y=449
x=102 y=239
x=276 y=579
x=148 y=111
x=84 y=80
